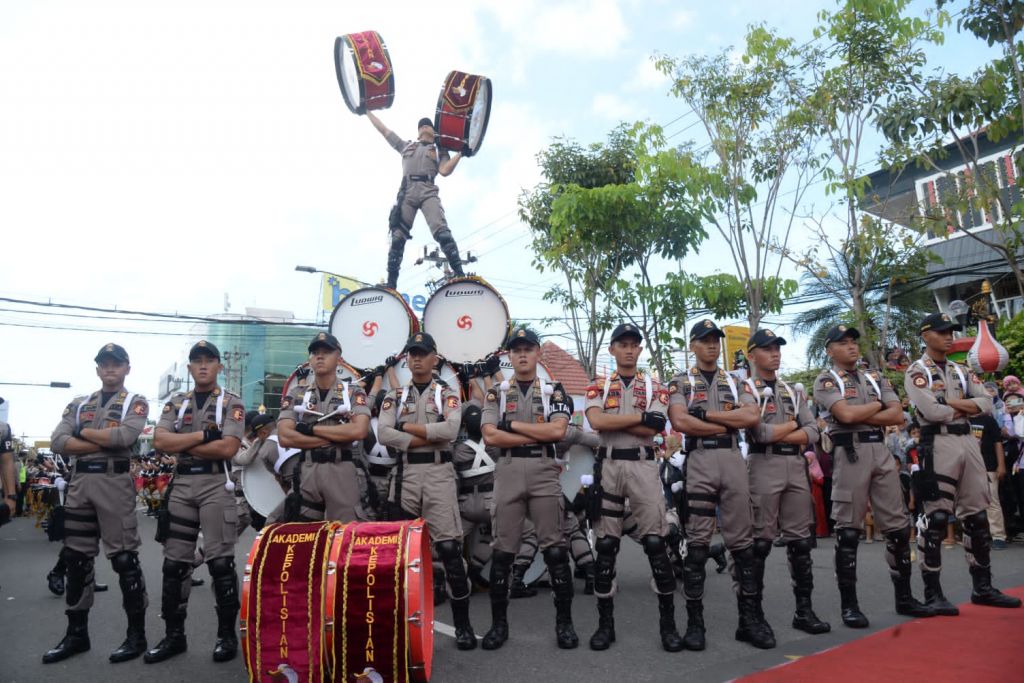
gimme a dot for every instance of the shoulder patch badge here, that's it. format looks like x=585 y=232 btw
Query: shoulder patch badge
x=360 y=399
x=453 y=402
x=828 y=384
x=592 y=392
x=286 y=402
x=238 y=414
x=387 y=404
x=920 y=381
x=492 y=396
x=140 y=408
x=167 y=408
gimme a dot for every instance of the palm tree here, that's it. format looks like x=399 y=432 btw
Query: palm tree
x=906 y=305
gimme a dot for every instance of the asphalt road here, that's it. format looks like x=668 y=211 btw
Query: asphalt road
x=32 y=620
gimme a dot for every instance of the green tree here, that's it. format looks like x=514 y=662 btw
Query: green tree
x=654 y=218
x=1010 y=334
x=949 y=111
x=760 y=145
x=586 y=266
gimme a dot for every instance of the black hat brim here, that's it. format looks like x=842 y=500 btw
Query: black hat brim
x=110 y=354
x=943 y=326
x=325 y=344
x=707 y=330
x=420 y=347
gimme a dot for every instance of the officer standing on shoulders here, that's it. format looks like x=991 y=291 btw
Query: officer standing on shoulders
x=952 y=469
x=628 y=409
x=323 y=419
x=525 y=422
x=100 y=430
x=708 y=407
x=779 y=485
x=204 y=427
x=421 y=420
x=858 y=405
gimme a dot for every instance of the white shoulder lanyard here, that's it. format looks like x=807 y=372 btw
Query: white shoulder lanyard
x=648 y=387
x=545 y=393
x=437 y=397
x=282 y=453
x=379 y=455
x=345 y=406
x=482 y=463
x=78 y=412
x=956 y=366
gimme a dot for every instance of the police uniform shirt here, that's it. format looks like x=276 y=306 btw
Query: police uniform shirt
x=525 y=406
x=418 y=158
x=104 y=410
x=627 y=400
x=692 y=389
x=318 y=401
x=420 y=408
x=945 y=383
x=6 y=438
x=197 y=418
x=855 y=389
x=779 y=409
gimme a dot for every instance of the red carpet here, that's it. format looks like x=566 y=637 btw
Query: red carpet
x=982 y=644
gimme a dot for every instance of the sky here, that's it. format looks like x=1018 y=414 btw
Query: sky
x=184 y=157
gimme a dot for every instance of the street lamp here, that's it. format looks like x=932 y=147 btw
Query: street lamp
x=52 y=385
x=307 y=269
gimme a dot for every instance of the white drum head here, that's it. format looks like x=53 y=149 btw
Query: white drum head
x=536 y=570
x=479 y=117
x=467 y=318
x=261 y=488
x=447 y=373
x=581 y=461
x=372 y=323
x=348 y=74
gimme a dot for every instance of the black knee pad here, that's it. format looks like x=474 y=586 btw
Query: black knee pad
x=607 y=545
x=696 y=554
x=502 y=559
x=176 y=570
x=556 y=554
x=653 y=544
x=848 y=536
x=762 y=547
x=448 y=550
x=800 y=546
x=899 y=537
x=938 y=520
x=125 y=561
x=74 y=558
x=976 y=523
x=221 y=566
x=444 y=237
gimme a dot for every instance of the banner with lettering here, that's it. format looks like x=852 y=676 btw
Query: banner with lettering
x=371 y=603
x=283 y=608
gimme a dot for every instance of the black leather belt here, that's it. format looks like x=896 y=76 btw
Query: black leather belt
x=957 y=429
x=100 y=467
x=428 y=458
x=776 y=448
x=527 y=452
x=321 y=456
x=379 y=470
x=631 y=453
x=419 y=178
x=208 y=467
x=481 y=488
x=845 y=439
x=712 y=442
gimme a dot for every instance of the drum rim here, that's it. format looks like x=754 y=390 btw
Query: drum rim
x=243 y=610
x=466 y=150
x=245 y=488
x=470 y=151
x=414 y=323
x=481 y=281
x=361 y=107
x=426 y=640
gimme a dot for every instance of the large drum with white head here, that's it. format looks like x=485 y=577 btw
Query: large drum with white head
x=372 y=323
x=463 y=111
x=261 y=488
x=364 y=71
x=467 y=318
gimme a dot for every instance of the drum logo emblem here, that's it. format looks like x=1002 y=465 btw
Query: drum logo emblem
x=368 y=300
x=464 y=323
x=369 y=328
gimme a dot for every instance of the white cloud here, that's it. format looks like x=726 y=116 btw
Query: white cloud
x=613 y=107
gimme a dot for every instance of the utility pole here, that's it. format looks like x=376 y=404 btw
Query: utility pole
x=441 y=261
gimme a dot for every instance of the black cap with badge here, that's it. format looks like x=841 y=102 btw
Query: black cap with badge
x=841 y=332
x=763 y=338
x=325 y=339
x=261 y=420
x=112 y=351
x=626 y=330
x=522 y=335
x=939 y=322
x=421 y=341
x=425 y=122
x=203 y=348
x=704 y=328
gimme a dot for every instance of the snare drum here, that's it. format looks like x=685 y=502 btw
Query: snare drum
x=463 y=110
x=372 y=323
x=364 y=71
x=467 y=318
x=330 y=601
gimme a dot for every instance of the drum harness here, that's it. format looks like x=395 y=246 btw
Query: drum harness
x=293 y=502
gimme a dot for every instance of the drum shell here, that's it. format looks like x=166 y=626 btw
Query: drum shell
x=375 y=91
x=261 y=489
x=454 y=116
x=331 y=599
x=376 y=330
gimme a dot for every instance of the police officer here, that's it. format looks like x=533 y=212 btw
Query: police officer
x=262 y=452
x=375 y=460
x=525 y=422
x=204 y=427
x=627 y=409
x=323 y=419
x=422 y=161
x=952 y=469
x=421 y=420
x=708 y=406
x=475 y=464
x=779 y=485
x=246 y=454
x=100 y=430
x=858 y=405
x=8 y=473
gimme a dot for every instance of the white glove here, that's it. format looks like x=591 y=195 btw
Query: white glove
x=586 y=480
x=677 y=486
x=60 y=483
x=677 y=460
x=744 y=449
